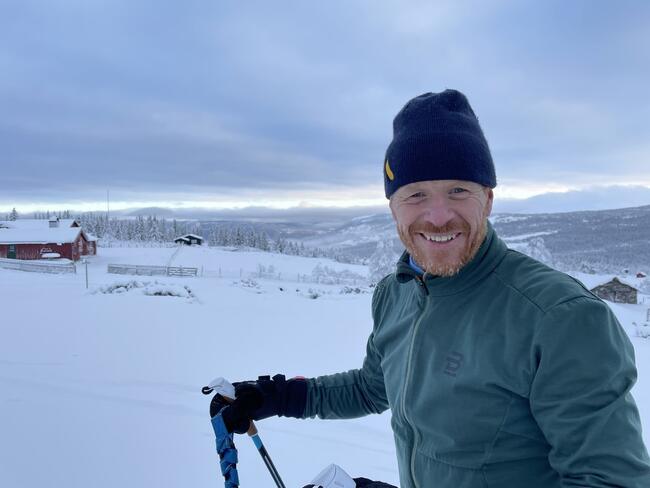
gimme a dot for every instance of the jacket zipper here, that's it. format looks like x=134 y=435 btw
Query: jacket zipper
x=406 y=383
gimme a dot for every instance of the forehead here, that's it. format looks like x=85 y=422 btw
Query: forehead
x=434 y=185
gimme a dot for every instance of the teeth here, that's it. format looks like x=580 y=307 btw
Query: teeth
x=439 y=238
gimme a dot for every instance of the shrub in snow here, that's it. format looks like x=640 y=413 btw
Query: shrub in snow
x=119 y=287
x=167 y=290
x=155 y=288
x=248 y=283
x=348 y=290
x=313 y=294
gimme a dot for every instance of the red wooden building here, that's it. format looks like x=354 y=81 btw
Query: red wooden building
x=43 y=239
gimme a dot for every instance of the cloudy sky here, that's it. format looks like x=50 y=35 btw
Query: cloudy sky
x=227 y=103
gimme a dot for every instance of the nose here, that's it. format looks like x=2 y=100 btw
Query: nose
x=438 y=210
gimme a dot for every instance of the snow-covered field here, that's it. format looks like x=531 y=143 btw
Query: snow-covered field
x=101 y=387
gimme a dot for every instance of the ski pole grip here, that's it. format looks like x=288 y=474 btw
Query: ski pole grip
x=252 y=429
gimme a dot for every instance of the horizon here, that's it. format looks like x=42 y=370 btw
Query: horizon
x=564 y=202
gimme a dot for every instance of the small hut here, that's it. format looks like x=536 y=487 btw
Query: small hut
x=189 y=239
x=616 y=291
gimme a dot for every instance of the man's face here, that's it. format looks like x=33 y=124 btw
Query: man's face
x=442 y=223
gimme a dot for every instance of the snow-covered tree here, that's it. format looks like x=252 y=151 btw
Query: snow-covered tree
x=13 y=216
x=382 y=261
x=536 y=249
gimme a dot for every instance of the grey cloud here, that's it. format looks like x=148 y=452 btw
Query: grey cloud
x=203 y=97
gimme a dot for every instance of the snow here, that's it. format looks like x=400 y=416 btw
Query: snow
x=37 y=231
x=110 y=396
x=522 y=237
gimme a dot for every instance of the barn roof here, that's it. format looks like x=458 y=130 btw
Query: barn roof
x=186 y=236
x=38 y=231
x=628 y=282
x=592 y=281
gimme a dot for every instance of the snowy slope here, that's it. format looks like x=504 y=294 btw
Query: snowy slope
x=103 y=390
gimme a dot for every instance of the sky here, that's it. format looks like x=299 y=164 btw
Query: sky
x=229 y=104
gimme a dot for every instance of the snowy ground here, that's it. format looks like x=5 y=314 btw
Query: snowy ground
x=103 y=389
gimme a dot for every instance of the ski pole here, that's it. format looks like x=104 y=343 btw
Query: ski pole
x=224 y=388
x=254 y=435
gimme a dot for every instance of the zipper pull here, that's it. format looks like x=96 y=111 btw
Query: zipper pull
x=422 y=285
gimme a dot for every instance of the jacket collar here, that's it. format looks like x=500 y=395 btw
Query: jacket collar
x=488 y=256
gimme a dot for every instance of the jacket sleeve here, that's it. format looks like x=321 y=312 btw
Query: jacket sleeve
x=580 y=397
x=352 y=394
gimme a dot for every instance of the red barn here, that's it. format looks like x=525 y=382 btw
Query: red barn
x=43 y=239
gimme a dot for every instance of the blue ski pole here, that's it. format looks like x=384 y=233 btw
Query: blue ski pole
x=225 y=390
x=252 y=432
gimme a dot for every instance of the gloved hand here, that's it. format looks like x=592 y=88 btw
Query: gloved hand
x=257 y=400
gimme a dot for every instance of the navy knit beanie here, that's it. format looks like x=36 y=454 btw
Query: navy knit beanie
x=436 y=136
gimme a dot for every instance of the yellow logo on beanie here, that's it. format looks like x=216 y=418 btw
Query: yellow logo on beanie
x=389 y=172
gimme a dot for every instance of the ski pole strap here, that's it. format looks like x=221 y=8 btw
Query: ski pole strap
x=227 y=452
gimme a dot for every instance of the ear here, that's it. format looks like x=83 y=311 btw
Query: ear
x=488 y=204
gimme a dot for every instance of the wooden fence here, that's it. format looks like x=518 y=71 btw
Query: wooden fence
x=38 y=267
x=136 y=269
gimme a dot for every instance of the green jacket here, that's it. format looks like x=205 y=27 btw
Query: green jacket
x=509 y=374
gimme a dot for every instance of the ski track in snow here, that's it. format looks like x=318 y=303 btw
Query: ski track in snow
x=104 y=390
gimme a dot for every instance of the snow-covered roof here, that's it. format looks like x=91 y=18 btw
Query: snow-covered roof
x=38 y=231
x=186 y=236
x=34 y=223
x=592 y=281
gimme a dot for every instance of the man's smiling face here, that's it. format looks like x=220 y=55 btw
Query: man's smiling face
x=442 y=223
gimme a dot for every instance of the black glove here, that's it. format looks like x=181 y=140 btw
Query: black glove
x=257 y=400
x=366 y=483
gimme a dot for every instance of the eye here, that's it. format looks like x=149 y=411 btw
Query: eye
x=417 y=194
x=459 y=193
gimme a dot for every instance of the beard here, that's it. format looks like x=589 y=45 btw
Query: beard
x=444 y=263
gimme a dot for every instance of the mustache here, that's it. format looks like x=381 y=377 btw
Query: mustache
x=429 y=228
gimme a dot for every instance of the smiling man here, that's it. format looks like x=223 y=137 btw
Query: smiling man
x=442 y=223
x=498 y=370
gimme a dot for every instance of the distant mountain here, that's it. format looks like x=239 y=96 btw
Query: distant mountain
x=596 y=198
x=603 y=240
x=157 y=211
x=257 y=214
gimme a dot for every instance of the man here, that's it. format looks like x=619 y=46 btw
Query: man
x=499 y=371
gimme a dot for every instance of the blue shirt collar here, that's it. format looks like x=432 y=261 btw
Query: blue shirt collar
x=415 y=266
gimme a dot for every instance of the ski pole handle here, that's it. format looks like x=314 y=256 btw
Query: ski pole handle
x=225 y=389
x=206 y=390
